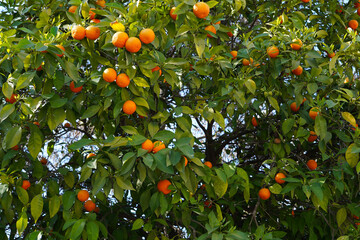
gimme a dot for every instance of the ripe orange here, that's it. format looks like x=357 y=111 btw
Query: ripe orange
x=312 y=136
x=357 y=5
x=97 y=209
x=62 y=48
x=72 y=9
x=305 y=1
x=234 y=54
x=201 y=10
x=89 y=206
x=83 y=195
x=92 y=32
x=109 y=75
x=158 y=145
x=12 y=99
x=358 y=11
x=294 y=108
x=101 y=3
x=203 y=186
x=264 y=193
x=297 y=71
x=209 y=164
x=67 y=125
x=129 y=107
x=15 y=148
x=75 y=89
x=163 y=185
x=147 y=35
x=331 y=55
x=208 y=204
x=119 y=39
x=356 y=217
x=246 y=62
x=25 y=184
x=78 y=32
x=91 y=13
x=90 y=155
x=173 y=16
x=212 y=29
x=296 y=45
x=254 y=122
x=157 y=68
x=122 y=80
x=147 y=145
x=230 y=34
x=133 y=45
x=353 y=24
x=312 y=165
x=277 y=140
x=279 y=178
x=272 y=51
x=36 y=123
x=293 y=213
x=95 y=20
x=314 y=112
x=186 y=160
x=43 y=161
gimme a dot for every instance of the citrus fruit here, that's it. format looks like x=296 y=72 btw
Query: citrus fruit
x=43 y=161
x=201 y=10
x=312 y=165
x=12 y=99
x=119 y=39
x=147 y=145
x=109 y=75
x=230 y=34
x=173 y=16
x=158 y=145
x=100 y=3
x=75 y=89
x=89 y=206
x=72 y=9
x=122 y=80
x=312 y=136
x=294 y=107
x=279 y=177
x=90 y=155
x=133 y=45
x=353 y=24
x=157 y=68
x=92 y=32
x=254 y=122
x=78 y=32
x=62 y=48
x=91 y=13
x=272 y=51
x=15 y=148
x=25 y=184
x=163 y=185
x=83 y=195
x=129 y=107
x=296 y=45
x=264 y=193
x=147 y=35
x=297 y=71
x=212 y=29
x=234 y=54
x=314 y=112
x=277 y=140
x=186 y=160
x=209 y=164
x=246 y=62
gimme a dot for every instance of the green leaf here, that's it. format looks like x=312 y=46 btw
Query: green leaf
x=124 y=183
x=316 y=188
x=288 y=125
x=55 y=117
x=351 y=158
x=71 y=70
x=24 y=80
x=91 y=111
x=68 y=199
x=250 y=84
x=81 y=143
x=320 y=126
x=139 y=101
x=6 y=111
x=274 y=103
x=141 y=82
x=220 y=187
x=349 y=118
x=307 y=190
x=164 y=135
x=341 y=216
x=8 y=89
x=12 y=138
x=37 y=207
x=35 y=141
x=312 y=88
x=77 y=229
x=54 y=205
x=200 y=45
x=218 y=117
x=276 y=188
x=23 y=195
x=130 y=130
x=22 y=223
x=92 y=230
x=138 y=223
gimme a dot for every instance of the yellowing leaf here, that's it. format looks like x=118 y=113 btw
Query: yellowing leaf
x=116 y=26
x=351 y=158
x=349 y=117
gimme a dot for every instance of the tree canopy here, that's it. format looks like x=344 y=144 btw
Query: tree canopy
x=179 y=119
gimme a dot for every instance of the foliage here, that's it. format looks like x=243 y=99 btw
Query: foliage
x=197 y=98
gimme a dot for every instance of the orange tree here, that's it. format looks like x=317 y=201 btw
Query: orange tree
x=176 y=119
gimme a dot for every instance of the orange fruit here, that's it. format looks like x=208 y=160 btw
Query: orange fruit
x=314 y=112
x=246 y=62
x=39 y=68
x=203 y=186
x=100 y=3
x=209 y=164
x=277 y=140
x=305 y=1
x=296 y=45
x=208 y=204
x=25 y=184
x=109 y=75
x=281 y=19
x=90 y=155
x=173 y=16
x=43 y=161
x=163 y=185
x=230 y=34
x=119 y=39
x=297 y=71
x=186 y=160
x=147 y=145
x=89 y=206
x=353 y=128
x=304 y=99
x=157 y=68
x=67 y=125
x=91 y=13
x=212 y=29
x=272 y=51
x=234 y=54
x=133 y=45
x=72 y=9
x=62 y=48
x=92 y=32
x=254 y=122
x=95 y=20
x=312 y=165
x=356 y=217
x=15 y=148
x=294 y=107
x=292 y=213
x=83 y=195
x=331 y=55
x=129 y=107
x=122 y=80
x=97 y=209
x=264 y=193
x=353 y=24
x=78 y=32
x=201 y=10
x=12 y=99
x=36 y=123
x=147 y=36
x=357 y=5
x=75 y=89
x=358 y=11
x=312 y=136
x=279 y=178
x=158 y=145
